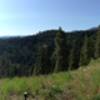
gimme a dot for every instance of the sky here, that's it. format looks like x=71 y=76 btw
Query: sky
x=26 y=17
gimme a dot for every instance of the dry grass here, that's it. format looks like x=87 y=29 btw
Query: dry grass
x=82 y=84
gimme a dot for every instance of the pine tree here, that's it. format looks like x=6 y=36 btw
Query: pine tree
x=61 y=51
x=91 y=47
x=71 y=57
x=84 y=60
x=43 y=61
x=97 y=44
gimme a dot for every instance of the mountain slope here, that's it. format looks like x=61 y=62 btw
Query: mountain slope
x=81 y=84
x=18 y=55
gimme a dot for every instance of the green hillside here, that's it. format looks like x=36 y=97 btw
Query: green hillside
x=20 y=56
x=81 y=84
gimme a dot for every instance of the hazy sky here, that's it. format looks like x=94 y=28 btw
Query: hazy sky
x=23 y=17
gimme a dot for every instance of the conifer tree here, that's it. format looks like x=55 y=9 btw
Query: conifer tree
x=61 y=51
x=91 y=47
x=97 y=44
x=84 y=60
x=71 y=56
x=43 y=61
x=71 y=59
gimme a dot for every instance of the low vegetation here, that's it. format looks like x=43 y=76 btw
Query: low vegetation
x=81 y=84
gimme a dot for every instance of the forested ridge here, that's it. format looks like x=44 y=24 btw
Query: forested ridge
x=37 y=54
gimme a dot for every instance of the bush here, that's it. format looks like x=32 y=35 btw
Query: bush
x=96 y=97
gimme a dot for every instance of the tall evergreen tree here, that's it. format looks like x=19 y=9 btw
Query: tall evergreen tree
x=84 y=60
x=71 y=57
x=74 y=57
x=97 y=44
x=61 y=51
x=43 y=61
x=91 y=47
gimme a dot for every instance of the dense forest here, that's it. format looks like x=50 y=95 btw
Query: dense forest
x=48 y=51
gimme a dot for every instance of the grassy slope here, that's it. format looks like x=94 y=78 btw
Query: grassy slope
x=82 y=84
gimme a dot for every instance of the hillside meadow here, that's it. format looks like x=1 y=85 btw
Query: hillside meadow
x=81 y=84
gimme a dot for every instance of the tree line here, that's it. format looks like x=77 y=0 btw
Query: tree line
x=48 y=52
x=65 y=58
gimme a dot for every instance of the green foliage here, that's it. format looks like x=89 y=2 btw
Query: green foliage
x=97 y=44
x=96 y=97
x=84 y=59
x=72 y=57
x=43 y=61
x=83 y=84
x=19 y=56
x=60 y=51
